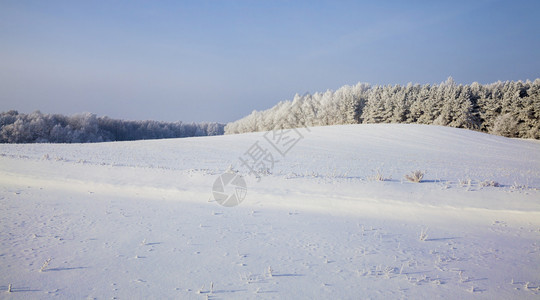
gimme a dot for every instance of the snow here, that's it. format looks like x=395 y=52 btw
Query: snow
x=137 y=219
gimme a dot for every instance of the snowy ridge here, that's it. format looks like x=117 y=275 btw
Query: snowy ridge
x=137 y=219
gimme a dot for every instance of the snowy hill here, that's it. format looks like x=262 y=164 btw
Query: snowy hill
x=138 y=219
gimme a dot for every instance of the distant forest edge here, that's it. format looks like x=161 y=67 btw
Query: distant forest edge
x=88 y=128
x=510 y=109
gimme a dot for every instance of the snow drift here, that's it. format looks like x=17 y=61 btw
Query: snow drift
x=332 y=218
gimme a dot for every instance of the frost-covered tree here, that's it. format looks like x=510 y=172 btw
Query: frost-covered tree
x=374 y=109
x=418 y=104
x=505 y=125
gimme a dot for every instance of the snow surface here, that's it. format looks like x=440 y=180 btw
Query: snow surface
x=132 y=220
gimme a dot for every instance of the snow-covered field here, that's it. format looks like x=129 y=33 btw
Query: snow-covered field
x=133 y=220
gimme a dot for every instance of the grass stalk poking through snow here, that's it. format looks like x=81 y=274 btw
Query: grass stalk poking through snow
x=423 y=234
x=45 y=264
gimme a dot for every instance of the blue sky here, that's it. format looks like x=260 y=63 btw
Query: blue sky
x=219 y=60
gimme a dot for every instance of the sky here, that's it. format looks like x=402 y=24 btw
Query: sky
x=218 y=61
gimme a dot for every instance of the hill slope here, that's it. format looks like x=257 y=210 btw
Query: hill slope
x=137 y=219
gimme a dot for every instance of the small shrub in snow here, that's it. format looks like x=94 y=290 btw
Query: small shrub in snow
x=265 y=172
x=487 y=183
x=465 y=182
x=378 y=177
x=415 y=176
x=251 y=278
x=517 y=186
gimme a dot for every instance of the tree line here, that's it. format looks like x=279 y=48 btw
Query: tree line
x=510 y=108
x=37 y=127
